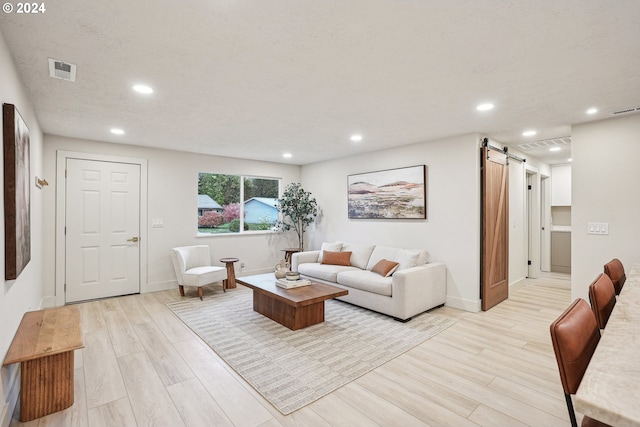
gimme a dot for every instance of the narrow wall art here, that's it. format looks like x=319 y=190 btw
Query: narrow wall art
x=388 y=194
x=17 y=213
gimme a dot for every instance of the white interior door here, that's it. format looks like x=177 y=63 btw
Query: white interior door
x=102 y=229
x=533 y=224
x=545 y=221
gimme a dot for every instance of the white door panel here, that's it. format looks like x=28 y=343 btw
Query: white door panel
x=102 y=218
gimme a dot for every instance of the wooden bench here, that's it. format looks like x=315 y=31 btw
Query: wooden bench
x=43 y=345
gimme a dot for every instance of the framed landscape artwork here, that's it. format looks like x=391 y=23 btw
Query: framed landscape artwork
x=388 y=194
x=17 y=214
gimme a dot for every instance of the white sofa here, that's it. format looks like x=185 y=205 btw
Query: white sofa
x=416 y=285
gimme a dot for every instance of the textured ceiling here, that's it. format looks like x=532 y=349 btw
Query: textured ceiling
x=255 y=79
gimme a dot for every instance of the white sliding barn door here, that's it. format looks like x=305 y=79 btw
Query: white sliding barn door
x=102 y=229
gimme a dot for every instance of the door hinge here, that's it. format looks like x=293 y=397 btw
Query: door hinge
x=529 y=262
x=65 y=173
x=65 y=230
x=65 y=287
x=528 y=187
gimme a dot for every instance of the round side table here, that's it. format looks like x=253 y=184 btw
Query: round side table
x=230 y=281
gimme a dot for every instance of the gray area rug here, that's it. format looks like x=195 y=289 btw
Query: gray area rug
x=294 y=368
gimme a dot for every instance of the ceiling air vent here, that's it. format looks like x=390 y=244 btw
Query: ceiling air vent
x=62 y=70
x=565 y=140
x=626 y=111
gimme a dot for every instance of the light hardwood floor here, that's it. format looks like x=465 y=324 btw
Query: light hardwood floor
x=143 y=367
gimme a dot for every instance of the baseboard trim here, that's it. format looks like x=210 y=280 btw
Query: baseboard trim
x=159 y=286
x=4 y=416
x=473 y=306
x=516 y=285
x=12 y=394
x=47 y=302
x=173 y=284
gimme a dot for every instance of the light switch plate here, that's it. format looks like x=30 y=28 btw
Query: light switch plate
x=598 y=228
x=157 y=223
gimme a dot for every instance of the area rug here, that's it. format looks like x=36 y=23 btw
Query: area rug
x=294 y=368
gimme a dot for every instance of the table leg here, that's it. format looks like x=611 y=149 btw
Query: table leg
x=47 y=385
x=230 y=281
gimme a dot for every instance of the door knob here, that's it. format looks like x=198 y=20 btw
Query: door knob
x=133 y=239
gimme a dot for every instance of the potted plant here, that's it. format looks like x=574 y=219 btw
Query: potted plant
x=298 y=210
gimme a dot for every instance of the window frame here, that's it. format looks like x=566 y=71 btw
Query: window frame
x=241 y=231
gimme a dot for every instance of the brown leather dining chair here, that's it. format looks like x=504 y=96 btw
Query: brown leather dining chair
x=602 y=295
x=575 y=336
x=615 y=270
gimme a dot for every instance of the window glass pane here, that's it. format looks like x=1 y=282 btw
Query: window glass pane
x=218 y=203
x=219 y=207
x=260 y=200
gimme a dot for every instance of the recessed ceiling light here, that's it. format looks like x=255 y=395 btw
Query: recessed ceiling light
x=356 y=138
x=569 y=160
x=554 y=149
x=287 y=155
x=142 y=89
x=117 y=131
x=485 y=107
x=529 y=133
x=592 y=110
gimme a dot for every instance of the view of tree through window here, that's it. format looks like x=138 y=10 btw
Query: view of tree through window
x=220 y=210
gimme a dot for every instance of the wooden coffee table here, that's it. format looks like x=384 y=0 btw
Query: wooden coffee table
x=294 y=308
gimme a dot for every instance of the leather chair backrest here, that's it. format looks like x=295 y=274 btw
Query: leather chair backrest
x=615 y=271
x=575 y=336
x=602 y=295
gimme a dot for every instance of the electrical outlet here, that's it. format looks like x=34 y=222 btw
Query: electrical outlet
x=242 y=266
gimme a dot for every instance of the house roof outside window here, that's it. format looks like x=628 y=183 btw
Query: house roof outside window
x=206 y=202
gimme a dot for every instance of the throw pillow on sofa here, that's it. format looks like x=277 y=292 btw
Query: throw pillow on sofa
x=333 y=247
x=360 y=254
x=385 y=268
x=407 y=259
x=336 y=258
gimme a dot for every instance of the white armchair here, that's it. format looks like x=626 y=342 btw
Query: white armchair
x=193 y=268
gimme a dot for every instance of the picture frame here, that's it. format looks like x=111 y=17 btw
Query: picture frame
x=17 y=202
x=388 y=194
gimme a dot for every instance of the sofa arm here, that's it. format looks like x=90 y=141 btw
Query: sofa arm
x=420 y=288
x=303 y=257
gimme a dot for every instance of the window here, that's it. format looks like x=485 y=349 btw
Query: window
x=220 y=210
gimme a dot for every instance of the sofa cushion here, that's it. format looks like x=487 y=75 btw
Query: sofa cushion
x=360 y=254
x=326 y=272
x=367 y=281
x=333 y=247
x=423 y=256
x=336 y=258
x=385 y=268
x=408 y=258
x=382 y=252
x=205 y=275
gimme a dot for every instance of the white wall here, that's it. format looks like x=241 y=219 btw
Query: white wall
x=605 y=178
x=451 y=233
x=561 y=185
x=172 y=196
x=24 y=293
x=518 y=250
